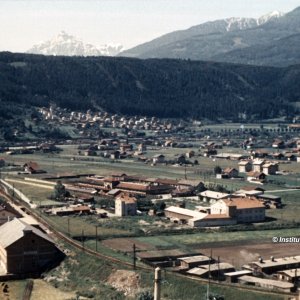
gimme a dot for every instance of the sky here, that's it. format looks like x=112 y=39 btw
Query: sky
x=24 y=23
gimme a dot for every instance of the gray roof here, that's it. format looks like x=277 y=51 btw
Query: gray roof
x=201 y=270
x=278 y=262
x=266 y=282
x=194 y=259
x=14 y=230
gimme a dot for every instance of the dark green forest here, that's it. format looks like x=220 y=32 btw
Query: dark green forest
x=152 y=87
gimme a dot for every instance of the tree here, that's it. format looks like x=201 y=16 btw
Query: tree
x=217 y=170
x=59 y=191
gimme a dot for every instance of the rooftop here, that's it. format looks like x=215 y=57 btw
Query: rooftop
x=263 y=281
x=243 y=203
x=214 y=195
x=12 y=231
x=194 y=259
x=278 y=262
x=187 y=212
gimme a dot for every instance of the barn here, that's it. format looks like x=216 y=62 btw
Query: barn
x=24 y=249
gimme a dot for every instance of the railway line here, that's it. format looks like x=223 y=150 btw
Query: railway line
x=26 y=210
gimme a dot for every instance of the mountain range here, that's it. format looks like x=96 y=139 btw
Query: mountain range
x=152 y=87
x=68 y=45
x=269 y=40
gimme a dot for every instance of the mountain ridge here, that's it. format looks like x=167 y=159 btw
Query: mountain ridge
x=152 y=87
x=216 y=44
x=69 y=45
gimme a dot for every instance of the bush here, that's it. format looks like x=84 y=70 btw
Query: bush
x=145 y=295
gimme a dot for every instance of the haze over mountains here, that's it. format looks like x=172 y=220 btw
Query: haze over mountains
x=68 y=45
x=269 y=40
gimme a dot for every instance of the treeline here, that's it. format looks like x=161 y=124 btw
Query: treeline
x=153 y=87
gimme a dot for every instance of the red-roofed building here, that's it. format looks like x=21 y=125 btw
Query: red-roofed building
x=245 y=210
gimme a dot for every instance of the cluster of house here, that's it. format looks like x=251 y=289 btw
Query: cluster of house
x=115 y=149
x=125 y=189
x=103 y=119
x=30 y=149
x=246 y=205
x=229 y=211
x=258 y=169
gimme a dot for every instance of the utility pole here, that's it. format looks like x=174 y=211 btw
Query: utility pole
x=82 y=239
x=209 y=275
x=96 y=238
x=68 y=226
x=134 y=256
x=218 y=268
x=157 y=283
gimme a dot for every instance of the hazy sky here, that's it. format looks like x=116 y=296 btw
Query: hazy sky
x=127 y=22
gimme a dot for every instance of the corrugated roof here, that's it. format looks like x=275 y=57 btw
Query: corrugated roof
x=293 y=273
x=278 y=262
x=12 y=231
x=201 y=270
x=263 y=281
x=194 y=259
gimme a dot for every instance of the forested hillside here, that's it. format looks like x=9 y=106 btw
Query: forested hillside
x=156 y=87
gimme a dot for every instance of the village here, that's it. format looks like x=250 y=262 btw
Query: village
x=121 y=190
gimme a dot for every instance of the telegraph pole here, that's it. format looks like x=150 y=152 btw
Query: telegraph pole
x=96 y=238
x=82 y=239
x=134 y=256
x=218 y=268
x=68 y=226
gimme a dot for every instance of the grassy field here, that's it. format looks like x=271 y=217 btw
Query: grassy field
x=85 y=225
x=291 y=210
x=199 y=239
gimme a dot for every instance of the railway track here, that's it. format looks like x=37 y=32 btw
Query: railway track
x=28 y=290
x=146 y=268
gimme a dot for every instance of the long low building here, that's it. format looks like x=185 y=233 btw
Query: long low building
x=274 y=264
x=194 y=261
x=290 y=275
x=267 y=283
x=216 y=270
x=196 y=218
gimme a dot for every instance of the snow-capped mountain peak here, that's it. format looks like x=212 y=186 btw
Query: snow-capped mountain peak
x=245 y=23
x=65 y=44
x=272 y=15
